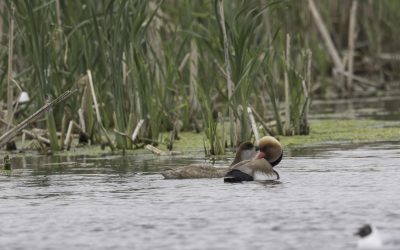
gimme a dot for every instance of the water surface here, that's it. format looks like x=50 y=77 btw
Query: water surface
x=122 y=202
x=378 y=108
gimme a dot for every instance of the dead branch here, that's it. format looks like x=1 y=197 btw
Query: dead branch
x=9 y=135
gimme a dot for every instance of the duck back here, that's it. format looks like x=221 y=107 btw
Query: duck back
x=195 y=171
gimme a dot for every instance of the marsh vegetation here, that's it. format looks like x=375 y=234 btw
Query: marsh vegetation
x=175 y=66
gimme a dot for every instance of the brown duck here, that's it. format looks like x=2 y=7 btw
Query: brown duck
x=250 y=163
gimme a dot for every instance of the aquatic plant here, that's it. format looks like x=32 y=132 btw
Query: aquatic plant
x=176 y=64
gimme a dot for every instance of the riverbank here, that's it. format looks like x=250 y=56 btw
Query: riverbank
x=343 y=131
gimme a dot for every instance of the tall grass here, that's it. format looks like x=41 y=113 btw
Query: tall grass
x=41 y=48
x=163 y=61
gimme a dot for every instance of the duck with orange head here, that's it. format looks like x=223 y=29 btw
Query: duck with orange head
x=259 y=168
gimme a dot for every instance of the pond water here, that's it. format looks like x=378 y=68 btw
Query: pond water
x=379 y=108
x=122 y=202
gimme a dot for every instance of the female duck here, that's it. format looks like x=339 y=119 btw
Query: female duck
x=245 y=151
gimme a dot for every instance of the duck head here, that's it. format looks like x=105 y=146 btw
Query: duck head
x=364 y=231
x=270 y=149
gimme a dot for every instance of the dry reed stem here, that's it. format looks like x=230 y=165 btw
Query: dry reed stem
x=358 y=78
x=82 y=120
x=10 y=134
x=287 y=128
x=351 y=41
x=85 y=97
x=307 y=86
x=183 y=62
x=77 y=126
x=31 y=134
x=124 y=69
x=120 y=133
x=58 y=13
x=136 y=131
x=308 y=72
x=389 y=56
x=68 y=139
x=63 y=124
x=325 y=35
x=10 y=86
x=37 y=137
x=304 y=117
x=2 y=4
x=253 y=125
x=85 y=105
x=194 y=58
x=156 y=42
x=155 y=150
x=221 y=121
x=263 y=124
x=23 y=139
x=96 y=106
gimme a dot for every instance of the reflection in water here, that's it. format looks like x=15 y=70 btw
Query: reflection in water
x=378 y=108
x=323 y=196
x=270 y=183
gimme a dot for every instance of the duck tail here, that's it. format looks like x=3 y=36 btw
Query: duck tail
x=231 y=179
x=235 y=175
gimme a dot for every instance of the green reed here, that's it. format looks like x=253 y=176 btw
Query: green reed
x=138 y=50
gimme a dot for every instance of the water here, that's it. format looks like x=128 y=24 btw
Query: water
x=118 y=202
x=378 y=108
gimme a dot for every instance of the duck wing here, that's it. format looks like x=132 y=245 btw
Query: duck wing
x=259 y=169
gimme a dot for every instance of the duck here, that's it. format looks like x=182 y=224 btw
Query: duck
x=195 y=171
x=260 y=168
x=245 y=151
x=271 y=150
x=369 y=237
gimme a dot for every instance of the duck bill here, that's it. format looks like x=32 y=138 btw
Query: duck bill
x=260 y=155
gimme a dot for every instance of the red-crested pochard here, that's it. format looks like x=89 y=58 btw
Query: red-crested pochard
x=261 y=167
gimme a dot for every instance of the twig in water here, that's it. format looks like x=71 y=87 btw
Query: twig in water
x=155 y=150
x=37 y=137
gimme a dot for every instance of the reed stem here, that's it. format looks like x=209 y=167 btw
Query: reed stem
x=228 y=72
x=325 y=35
x=351 y=42
x=96 y=106
x=287 y=126
x=10 y=84
x=253 y=125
